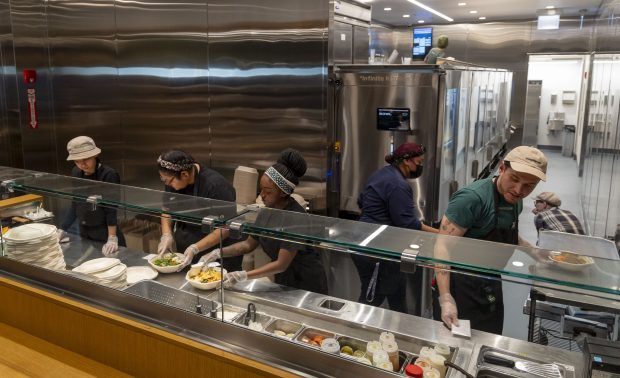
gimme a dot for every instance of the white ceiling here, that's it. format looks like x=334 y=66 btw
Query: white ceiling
x=493 y=10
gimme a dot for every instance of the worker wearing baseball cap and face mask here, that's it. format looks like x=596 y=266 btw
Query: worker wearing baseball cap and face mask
x=99 y=224
x=487 y=209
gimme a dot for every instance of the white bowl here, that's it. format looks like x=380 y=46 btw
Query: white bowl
x=166 y=269
x=587 y=261
x=201 y=285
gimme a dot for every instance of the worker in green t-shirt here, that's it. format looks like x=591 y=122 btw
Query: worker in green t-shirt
x=487 y=209
x=437 y=52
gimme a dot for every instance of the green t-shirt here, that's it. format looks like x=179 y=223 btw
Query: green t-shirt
x=431 y=57
x=473 y=208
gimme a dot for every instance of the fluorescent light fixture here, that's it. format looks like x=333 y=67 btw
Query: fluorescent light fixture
x=473 y=11
x=387 y=9
x=549 y=7
x=461 y=4
x=420 y=21
x=548 y=22
x=482 y=18
x=518 y=264
x=406 y=16
x=427 y=8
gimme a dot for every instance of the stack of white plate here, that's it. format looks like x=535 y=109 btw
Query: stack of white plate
x=244 y=182
x=105 y=271
x=35 y=243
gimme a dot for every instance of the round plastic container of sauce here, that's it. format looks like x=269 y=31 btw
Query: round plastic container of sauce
x=386 y=336
x=443 y=350
x=330 y=345
x=385 y=365
x=424 y=363
x=392 y=350
x=380 y=356
x=431 y=373
x=371 y=348
x=414 y=371
x=438 y=362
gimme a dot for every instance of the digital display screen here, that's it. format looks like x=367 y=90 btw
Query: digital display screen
x=422 y=42
x=393 y=119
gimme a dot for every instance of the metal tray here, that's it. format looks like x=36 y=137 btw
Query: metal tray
x=261 y=318
x=311 y=333
x=355 y=344
x=231 y=309
x=284 y=325
x=166 y=295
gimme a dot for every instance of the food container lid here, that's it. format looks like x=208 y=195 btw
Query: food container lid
x=390 y=347
x=386 y=336
x=414 y=371
x=330 y=345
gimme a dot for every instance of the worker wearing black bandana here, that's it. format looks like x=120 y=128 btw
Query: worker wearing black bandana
x=488 y=210
x=181 y=174
x=294 y=264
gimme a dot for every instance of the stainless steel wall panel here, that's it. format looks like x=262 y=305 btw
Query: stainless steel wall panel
x=341 y=48
x=82 y=58
x=268 y=84
x=29 y=26
x=163 y=83
x=361 y=45
x=572 y=36
x=364 y=146
x=10 y=135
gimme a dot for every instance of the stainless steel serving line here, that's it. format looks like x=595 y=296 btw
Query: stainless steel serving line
x=169 y=302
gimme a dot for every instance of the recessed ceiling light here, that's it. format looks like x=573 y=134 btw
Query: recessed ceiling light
x=549 y=7
x=482 y=18
x=473 y=12
x=420 y=21
x=461 y=4
x=427 y=8
x=406 y=16
x=387 y=9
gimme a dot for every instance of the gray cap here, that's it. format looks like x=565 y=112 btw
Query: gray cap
x=82 y=147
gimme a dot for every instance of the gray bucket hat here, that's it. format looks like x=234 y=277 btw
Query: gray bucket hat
x=82 y=147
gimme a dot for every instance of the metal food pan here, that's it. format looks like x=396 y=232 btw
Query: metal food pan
x=230 y=309
x=355 y=344
x=311 y=333
x=260 y=318
x=286 y=326
x=404 y=359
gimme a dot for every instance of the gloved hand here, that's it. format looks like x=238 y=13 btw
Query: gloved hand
x=111 y=246
x=189 y=254
x=234 y=277
x=449 y=312
x=63 y=237
x=165 y=244
x=211 y=256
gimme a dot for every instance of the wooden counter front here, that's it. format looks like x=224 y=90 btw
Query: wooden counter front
x=118 y=342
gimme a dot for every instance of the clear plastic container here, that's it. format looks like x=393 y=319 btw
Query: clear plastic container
x=371 y=348
x=392 y=350
x=330 y=345
x=380 y=356
x=443 y=350
x=386 y=336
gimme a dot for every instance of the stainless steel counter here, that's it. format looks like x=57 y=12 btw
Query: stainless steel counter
x=353 y=319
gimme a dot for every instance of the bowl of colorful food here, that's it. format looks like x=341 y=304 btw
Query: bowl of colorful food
x=205 y=279
x=570 y=261
x=167 y=263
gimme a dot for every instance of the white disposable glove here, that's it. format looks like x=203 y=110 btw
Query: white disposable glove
x=234 y=277
x=211 y=256
x=189 y=254
x=165 y=244
x=111 y=247
x=63 y=237
x=449 y=312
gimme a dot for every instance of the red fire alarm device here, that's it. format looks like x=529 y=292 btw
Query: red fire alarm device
x=30 y=79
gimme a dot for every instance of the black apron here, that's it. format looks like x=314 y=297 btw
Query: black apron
x=92 y=223
x=186 y=234
x=481 y=299
x=305 y=272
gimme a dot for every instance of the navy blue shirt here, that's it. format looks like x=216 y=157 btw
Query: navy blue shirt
x=387 y=199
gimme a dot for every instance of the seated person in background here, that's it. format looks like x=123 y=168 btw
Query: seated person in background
x=437 y=52
x=549 y=216
x=99 y=224
x=293 y=264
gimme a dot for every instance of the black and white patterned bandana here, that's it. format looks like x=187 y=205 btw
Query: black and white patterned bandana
x=169 y=165
x=282 y=183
